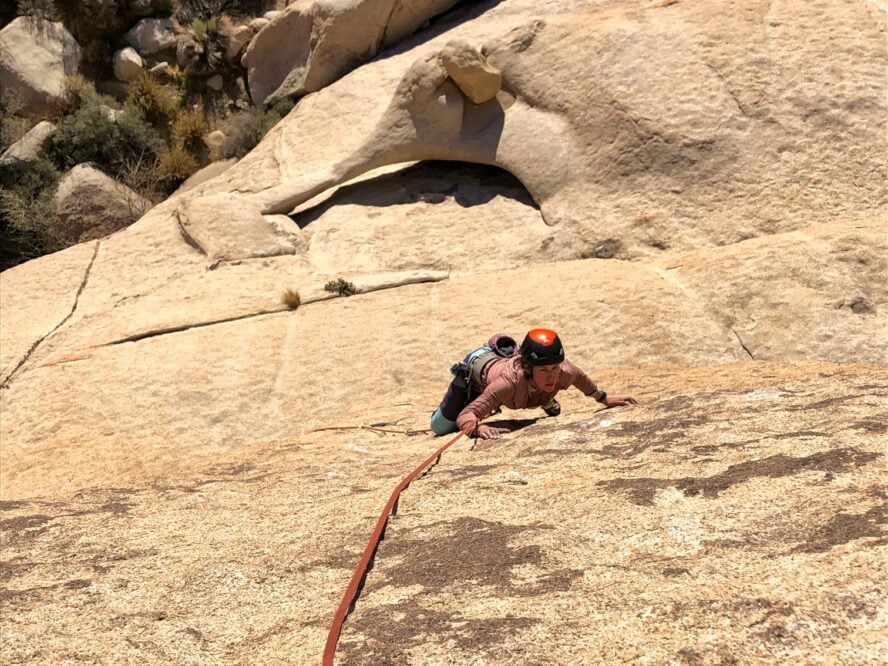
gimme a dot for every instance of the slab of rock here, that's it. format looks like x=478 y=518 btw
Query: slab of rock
x=90 y=205
x=35 y=57
x=152 y=35
x=206 y=173
x=127 y=64
x=30 y=146
x=226 y=228
x=310 y=44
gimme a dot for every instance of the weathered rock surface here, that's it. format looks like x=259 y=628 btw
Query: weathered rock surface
x=127 y=64
x=506 y=548
x=89 y=205
x=471 y=72
x=223 y=229
x=208 y=172
x=674 y=156
x=35 y=57
x=30 y=146
x=716 y=203
x=152 y=35
x=313 y=42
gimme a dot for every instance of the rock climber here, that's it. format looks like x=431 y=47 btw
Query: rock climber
x=499 y=375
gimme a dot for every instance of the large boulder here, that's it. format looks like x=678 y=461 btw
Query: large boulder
x=30 y=146
x=151 y=35
x=314 y=42
x=35 y=57
x=90 y=205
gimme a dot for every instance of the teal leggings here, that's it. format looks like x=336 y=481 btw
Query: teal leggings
x=442 y=425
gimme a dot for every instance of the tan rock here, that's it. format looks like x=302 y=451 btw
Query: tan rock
x=152 y=35
x=236 y=40
x=35 y=57
x=206 y=173
x=224 y=229
x=735 y=183
x=312 y=43
x=30 y=146
x=475 y=77
x=90 y=205
x=127 y=64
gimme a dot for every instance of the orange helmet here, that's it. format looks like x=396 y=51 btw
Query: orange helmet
x=542 y=346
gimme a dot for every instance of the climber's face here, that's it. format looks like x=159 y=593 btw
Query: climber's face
x=545 y=377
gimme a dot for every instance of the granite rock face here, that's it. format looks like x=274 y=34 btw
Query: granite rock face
x=313 y=42
x=684 y=191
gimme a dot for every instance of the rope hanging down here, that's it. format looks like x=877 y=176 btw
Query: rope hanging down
x=360 y=575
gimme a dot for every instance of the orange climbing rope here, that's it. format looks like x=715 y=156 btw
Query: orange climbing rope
x=360 y=574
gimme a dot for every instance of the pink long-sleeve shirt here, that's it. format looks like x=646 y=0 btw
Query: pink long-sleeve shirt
x=507 y=386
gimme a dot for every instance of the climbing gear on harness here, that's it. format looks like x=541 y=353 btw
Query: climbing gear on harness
x=552 y=408
x=542 y=346
x=471 y=368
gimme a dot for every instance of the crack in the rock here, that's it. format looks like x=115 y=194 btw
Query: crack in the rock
x=743 y=344
x=135 y=337
x=188 y=238
x=8 y=380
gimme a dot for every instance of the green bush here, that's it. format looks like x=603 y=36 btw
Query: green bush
x=341 y=287
x=158 y=104
x=44 y=9
x=27 y=211
x=190 y=10
x=245 y=129
x=98 y=25
x=90 y=135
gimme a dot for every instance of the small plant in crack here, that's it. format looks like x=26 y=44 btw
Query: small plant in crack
x=291 y=298
x=341 y=287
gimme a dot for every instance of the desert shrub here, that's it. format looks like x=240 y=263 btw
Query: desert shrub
x=189 y=129
x=80 y=91
x=189 y=10
x=98 y=25
x=291 y=298
x=245 y=129
x=27 y=211
x=44 y=9
x=158 y=104
x=90 y=135
x=174 y=165
x=341 y=287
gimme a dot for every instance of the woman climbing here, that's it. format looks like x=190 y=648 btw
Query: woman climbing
x=496 y=376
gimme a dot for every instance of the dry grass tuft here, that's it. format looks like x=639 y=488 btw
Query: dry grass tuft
x=291 y=298
x=174 y=165
x=189 y=129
